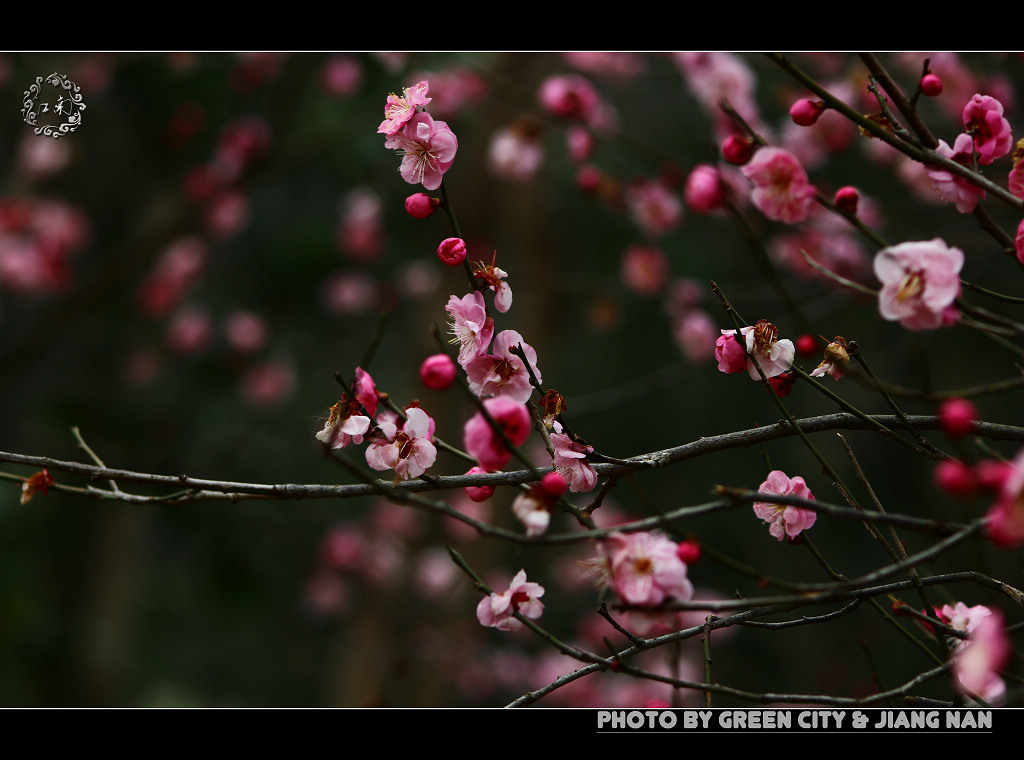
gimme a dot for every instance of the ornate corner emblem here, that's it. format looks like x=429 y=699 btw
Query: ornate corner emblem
x=53 y=105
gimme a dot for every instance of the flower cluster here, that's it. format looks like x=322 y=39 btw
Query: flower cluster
x=760 y=342
x=427 y=146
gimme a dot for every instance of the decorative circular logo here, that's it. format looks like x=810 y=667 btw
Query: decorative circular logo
x=53 y=105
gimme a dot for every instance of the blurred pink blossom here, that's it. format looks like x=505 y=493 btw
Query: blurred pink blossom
x=483 y=443
x=246 y=332
x=977 y=665
x=515 y=153
x=951 y=187
x=267 y=384
x=653 y=207
x=645 y=269
x=781 y=190
x=1004 y=521
x=920 y=282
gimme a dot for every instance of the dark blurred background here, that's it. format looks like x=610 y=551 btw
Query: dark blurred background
x=182 y=274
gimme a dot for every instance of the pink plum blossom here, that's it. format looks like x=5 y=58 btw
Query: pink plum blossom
x=731 y=353
x=361 y=228
x=399 y=110
x=470 y=324
x=408 y=451
x=781 y=190
x=344 y=426
x=570 y=462
x=569 y=96
x=533 y=508
x=504 y=373
x=952 y=187
x=1015 y=181
x=761 y=342
x=1004 y=524
x=498 y=610
x=428 y=150
x=644 y=269
x=920 y=282
x=494 y=278
x=644 y=569
x=653 y=207
x=983 y=119
x=1018 y=242
x=784 y=520
x=977 y=664
x=963 y=618
x=487 y=446
x=695 y=333
x=515 y=153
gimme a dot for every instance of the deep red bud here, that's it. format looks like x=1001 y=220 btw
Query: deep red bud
x=806 y=112
x=688 y=551
x=957 y=416
x=737 y=150
x=931 y=85
x=846 y=199
x=421 y=205
x=955 y=478
x=806 y=345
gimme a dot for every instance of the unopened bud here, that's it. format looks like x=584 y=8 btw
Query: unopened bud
x=737 y=150
x=805 y=112
x=846 y=200
x=931 y=85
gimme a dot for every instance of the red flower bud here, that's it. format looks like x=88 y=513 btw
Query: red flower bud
x=806 y=112
x=737 y=150
x=931 y=85
x=452 y=251
x=846 y=199
x=421 y=205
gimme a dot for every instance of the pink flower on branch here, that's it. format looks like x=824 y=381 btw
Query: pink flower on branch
x=428 y=150
x=1004 y=524
x=920 y=282
x=409 y=451
x=482 y=442
x=644 y=569
x=952 y=187
x=570 y=461
x=498 y=610
x=504 y=373
x=761 y=342
x=781 y=189
x=977 y=664
x=983 y=120
x=494 y=278
x=399 y=110
x=785 y=520
x=470 y=324
x=533 y=508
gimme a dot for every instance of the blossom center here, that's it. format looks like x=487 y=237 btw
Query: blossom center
x=643 y=566
x=911 y=286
